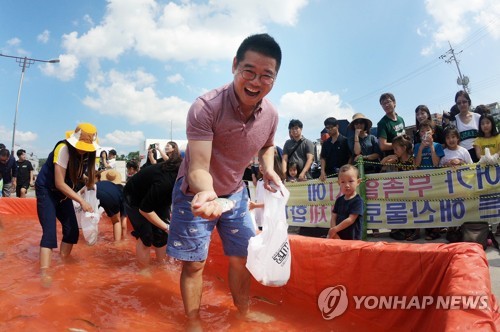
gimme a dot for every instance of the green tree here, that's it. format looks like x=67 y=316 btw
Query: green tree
x=41 y=161
x=133 y=155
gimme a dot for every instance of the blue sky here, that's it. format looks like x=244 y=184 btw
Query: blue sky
x=133 y=67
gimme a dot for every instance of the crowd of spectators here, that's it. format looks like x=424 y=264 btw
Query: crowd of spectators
x=460 y=138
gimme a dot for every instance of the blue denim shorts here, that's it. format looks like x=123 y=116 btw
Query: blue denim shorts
x=189 y=236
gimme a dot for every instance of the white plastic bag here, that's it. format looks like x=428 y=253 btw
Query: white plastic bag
x=88 y=221
x=269 y=256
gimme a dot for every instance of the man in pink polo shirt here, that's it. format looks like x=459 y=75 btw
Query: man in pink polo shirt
x=225 y=128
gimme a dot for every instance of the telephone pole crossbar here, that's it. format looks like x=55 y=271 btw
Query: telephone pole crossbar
x=23 y=62
x=449 y=57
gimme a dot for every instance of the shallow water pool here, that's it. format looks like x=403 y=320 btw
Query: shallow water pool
x=100 y=289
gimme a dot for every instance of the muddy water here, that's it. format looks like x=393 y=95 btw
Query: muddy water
x=100 y=289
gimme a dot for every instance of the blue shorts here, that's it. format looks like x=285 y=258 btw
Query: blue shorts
x=189 y=236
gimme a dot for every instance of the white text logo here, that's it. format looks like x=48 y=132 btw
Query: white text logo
x=333 y=302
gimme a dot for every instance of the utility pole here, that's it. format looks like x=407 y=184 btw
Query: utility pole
x=450 y=56
x=24 y=62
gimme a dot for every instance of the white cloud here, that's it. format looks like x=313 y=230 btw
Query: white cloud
x=88 y=20
x=132 y=96
x=312 y=108
x=177 y=78
x=454 y=20
x=14 y=42
x=178 y=31
x=490 y=19
x=426 y=51
x=43 y=37
x=423 y=30
x=124 y=138
x=23 y=138
x=185 y=31
x=64 y=70
x=14 y=48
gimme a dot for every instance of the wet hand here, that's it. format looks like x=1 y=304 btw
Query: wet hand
x=86 y=207
x=271 y=181
x=204 y=205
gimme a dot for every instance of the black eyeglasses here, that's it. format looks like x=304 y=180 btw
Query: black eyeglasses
x=251 y=75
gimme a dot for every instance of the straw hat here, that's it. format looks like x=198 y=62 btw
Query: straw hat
x=360 y=117
x=111 y=175
x=84 y=137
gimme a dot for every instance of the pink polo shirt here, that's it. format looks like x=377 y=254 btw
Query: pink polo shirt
x=215 y=117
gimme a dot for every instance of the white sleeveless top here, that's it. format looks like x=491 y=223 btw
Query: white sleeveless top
x=468 y=132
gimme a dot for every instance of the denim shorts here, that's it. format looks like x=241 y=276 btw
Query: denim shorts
x=189 y=236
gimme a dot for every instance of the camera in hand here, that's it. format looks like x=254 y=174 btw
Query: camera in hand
x=152 y=146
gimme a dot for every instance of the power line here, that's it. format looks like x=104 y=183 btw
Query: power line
x=449 y=57
x=472 y=39
x=426 y=67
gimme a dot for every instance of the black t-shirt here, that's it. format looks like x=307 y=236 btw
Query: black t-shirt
x=335 y=154
x=151 y=190
x=343 y=208
x=23 y=172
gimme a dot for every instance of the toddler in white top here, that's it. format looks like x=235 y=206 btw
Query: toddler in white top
x=454 y=154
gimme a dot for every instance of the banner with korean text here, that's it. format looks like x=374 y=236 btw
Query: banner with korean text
x=413 y=199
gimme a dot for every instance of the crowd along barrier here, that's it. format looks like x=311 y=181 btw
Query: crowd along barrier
x=427 y=198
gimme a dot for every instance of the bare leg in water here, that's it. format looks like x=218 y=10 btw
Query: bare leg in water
x=239 y=284
x=191 y=288
x=143 y=255
x=46 y=260
x=66 y=250
x=117 y=227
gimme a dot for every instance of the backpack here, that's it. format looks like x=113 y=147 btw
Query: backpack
x=472 y=231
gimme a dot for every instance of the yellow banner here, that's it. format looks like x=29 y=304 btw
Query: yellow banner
x=413 y=199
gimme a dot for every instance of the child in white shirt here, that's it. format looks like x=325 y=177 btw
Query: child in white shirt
x=454 y=154
x=257 y=206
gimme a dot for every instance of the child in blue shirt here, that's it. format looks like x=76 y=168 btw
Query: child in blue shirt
x=427 y=153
